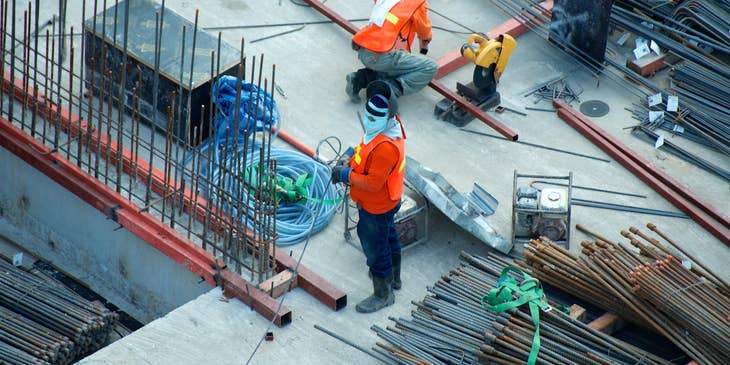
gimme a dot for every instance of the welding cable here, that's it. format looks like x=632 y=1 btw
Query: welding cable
x=293 y=219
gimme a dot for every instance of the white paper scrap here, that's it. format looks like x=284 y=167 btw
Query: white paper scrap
x=654 y=116
x=18 y=259
x=687 y=264
x=654 y=99
x=624 y=37
x=655 y=47
x=678 y=128
x=659 y=141
x=672 y=103
x=641 y=51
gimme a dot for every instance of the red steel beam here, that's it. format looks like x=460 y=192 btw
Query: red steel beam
x=143 y=225
x=454 y=60
x=332 y=15
x=312 y=283
x=623 y=157
x=434 y=84
x=648 y=166
x=473 y=110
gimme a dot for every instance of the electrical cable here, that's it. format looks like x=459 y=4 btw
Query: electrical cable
x=293 y=219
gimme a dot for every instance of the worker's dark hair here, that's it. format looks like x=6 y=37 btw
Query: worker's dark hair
x=380 y=87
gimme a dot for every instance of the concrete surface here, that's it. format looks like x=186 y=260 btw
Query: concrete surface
x=311 y=67
x=53 y=223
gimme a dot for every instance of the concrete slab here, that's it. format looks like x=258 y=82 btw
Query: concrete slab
x=311 y=68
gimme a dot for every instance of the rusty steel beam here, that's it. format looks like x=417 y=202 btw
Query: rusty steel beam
x=648 y=166
x=434 y=84
x=627 y=157
x=144 y=225
x=473 y=110
x=454 y=60
x=332 y=15
x=312 y=283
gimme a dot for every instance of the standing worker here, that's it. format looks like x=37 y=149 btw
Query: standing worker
x=375 y=173
x=384 y=47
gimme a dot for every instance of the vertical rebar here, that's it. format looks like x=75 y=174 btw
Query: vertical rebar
x=70 y=129
x=3 y=44
x=24 y=63
x=159 y=26
x=80 y=141
x=12 y=64
x=122 y=92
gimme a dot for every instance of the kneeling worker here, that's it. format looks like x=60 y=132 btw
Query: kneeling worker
x=384 y=47
x=375 y=174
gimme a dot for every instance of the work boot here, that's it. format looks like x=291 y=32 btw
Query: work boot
x=397 y=284
x=357 y=81
x=354 y=85
x=381 y=298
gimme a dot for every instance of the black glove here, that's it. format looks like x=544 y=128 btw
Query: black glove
x=424 y=50
x=341 y=174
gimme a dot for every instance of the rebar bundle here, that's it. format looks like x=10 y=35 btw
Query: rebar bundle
x=689 y=305
x=700 y=80
x=554 y=265
x=450 y=326
x=42 y=321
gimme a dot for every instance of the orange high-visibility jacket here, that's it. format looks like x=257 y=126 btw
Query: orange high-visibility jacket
x=406 y=19
x=378 y=170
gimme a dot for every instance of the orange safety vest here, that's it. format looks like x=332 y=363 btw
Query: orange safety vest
x=383 y=39
x=387 y=198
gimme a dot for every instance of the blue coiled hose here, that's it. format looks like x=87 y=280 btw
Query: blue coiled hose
x=293 y=220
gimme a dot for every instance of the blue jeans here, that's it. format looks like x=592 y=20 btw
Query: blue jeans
x=412 y=71
x=379 y=240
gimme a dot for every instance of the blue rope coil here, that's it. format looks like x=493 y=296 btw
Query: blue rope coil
x=257 y=109
x=293 y=220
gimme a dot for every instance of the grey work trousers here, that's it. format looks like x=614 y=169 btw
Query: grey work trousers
x=412 y=71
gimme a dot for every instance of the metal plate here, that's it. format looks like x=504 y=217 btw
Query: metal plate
x=594 y=108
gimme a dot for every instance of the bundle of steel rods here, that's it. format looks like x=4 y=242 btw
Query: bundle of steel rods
x=701 y=80
x=554 y=265
x=690 y=307
x=651 y=137
x=42 y=321
x=450 y=326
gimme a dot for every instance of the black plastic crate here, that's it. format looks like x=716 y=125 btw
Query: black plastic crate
x=141 y=56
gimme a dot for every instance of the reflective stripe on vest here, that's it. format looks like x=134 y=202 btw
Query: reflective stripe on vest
x=383 y=39
x=394 y=182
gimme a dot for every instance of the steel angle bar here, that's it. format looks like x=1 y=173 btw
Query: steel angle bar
x=540 y=146
x=587 y=188
x=625 y=208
